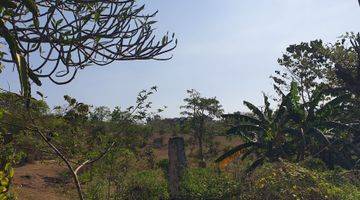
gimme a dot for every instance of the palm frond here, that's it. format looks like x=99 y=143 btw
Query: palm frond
x=255 y=164
x=320 y=136
x=235 y=150
x=243 y=118
x=256 y=111
x=334 y=103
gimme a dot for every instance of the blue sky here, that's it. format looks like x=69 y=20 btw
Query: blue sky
x=227 y=49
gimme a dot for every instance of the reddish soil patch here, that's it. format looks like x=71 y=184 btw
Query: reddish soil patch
x=41 y=180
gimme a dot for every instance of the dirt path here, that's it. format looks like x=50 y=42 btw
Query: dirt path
x=41 y=181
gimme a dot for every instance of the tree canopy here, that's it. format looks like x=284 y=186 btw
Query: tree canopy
x=55 y=39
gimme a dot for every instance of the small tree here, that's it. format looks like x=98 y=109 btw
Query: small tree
x=199 y=110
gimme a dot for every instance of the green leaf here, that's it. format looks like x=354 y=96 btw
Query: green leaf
x=243 y=118
x=319 y=136
x=5 y=182
x=235 y=150
x=256 y=111
x=31 y=5
x=10 y=39
x=243 y=128
x=18 y=59
x=255 y=164
x=248 y=152
x=334 y=103
x=59 y=22
x=11 y=173
x=2 y=195
x=7 y=166
x=7 y=4
x=34 y=78
x=97 y=16
x=267 y=111
x=23 y=75
x=337 y=125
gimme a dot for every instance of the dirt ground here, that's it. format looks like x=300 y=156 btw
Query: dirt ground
x=41 y=181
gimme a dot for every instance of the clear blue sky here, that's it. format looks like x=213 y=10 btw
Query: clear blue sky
x=227 y=49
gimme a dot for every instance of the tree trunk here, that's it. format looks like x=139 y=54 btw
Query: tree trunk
x=201 y=132
x=202 y=162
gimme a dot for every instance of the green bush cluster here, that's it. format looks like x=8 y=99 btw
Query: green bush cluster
x=6 y=175
x=279 y=180
x=283 y=180
x=146 y=185
x=207 y=183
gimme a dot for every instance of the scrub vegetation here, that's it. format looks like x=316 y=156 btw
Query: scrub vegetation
x=302 y=143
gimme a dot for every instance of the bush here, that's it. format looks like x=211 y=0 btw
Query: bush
x=96 y=190
x=6 y=174
x=285 y=180
x=314 y=164
x=164 y=165
x=206 y=183
x=146 y=185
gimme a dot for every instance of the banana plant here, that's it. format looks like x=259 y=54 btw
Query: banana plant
x=318 y=126
x=263 y=131
x=292 y=130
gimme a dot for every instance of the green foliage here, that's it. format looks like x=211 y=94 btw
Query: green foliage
x=138 y=113
x=95 y=190
x=110 y=174
x=305 y=63
x=101 y=113
x=284 y=180
x=6 y=171
x=206 y=183
x=6 y=175
x=264 y=132
x=164 y=166
x=200 y=111
x=305 y=129
x=197 y=106
x=146 y=185
x=314 y=164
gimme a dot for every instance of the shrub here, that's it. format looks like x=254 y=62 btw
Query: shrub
x=6 y=174
x=206 y=183
x=283 y=180
x=314 y=164
x=164 y=165
x=95 y=190
x=146 y=185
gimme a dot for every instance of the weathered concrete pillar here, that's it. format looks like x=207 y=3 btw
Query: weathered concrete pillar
x=177 y=165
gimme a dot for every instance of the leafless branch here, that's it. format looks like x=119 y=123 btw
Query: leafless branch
x=74 y=34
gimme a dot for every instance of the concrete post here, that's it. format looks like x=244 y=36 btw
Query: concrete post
x=177 y=165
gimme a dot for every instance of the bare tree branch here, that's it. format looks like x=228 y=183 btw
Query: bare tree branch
x=67 y=36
